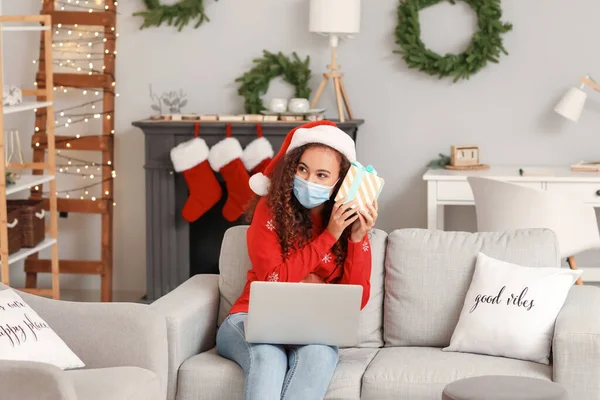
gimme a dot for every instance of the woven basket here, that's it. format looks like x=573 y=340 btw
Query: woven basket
x=31 y=221
x=14 y=229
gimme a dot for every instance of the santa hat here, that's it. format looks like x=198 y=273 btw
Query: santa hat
x=323 y=132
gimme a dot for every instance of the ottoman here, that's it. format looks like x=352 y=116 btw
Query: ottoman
x=503 y=387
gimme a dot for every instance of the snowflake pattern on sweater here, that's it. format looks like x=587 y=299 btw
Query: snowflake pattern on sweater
x=270 y=225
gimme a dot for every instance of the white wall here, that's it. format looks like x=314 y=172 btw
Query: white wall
x=410 y=117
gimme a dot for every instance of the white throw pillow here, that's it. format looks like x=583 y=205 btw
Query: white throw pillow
x=24 y=336
x=510 y=310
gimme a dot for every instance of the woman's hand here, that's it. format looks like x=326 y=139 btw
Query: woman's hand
x=340 y=217
x=313 y=278
x=366 y=221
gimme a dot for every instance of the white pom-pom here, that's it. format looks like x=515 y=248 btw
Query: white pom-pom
x=260 y=184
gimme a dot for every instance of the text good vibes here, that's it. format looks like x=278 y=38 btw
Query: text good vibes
x=512 y=299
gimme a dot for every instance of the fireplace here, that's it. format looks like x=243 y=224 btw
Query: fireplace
x=176 y=249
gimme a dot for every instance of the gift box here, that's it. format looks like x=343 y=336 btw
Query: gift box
x=360 y=183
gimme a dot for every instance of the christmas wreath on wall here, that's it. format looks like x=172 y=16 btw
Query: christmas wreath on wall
x=255 y=83
x=486 y=44
x=178 y=14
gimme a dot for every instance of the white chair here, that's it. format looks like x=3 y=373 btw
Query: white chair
x=504 y=206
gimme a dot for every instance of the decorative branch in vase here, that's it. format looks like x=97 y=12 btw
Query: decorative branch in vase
x=157 y=106
x=173 y=100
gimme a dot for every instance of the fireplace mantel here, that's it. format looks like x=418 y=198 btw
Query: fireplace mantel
x=169 y=261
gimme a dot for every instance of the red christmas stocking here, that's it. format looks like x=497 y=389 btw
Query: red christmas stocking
x=191 y=157
x=225 y=157
x=258 y=154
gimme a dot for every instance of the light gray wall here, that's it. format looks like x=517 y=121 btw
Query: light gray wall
x=410 y=117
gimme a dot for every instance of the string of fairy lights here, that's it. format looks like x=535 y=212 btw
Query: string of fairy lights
x=76 y=52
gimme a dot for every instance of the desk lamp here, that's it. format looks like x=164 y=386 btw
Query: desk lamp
x=336 y=19
x=571 y=104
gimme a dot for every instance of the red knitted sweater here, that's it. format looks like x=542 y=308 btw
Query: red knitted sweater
x=315 y=257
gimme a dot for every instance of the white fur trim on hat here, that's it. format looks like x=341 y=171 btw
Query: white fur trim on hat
x=259 y=184
x=328 y=135
x=189 y=154
x=224 y=152
x=256 y=151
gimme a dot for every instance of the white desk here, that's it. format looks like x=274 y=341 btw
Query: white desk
x=446 y=187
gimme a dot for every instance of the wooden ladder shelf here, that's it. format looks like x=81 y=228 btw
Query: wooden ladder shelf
x=104 y=143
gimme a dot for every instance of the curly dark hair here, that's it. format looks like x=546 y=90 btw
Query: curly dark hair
x=292 y=221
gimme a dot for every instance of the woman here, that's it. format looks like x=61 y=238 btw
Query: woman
x=298 y=234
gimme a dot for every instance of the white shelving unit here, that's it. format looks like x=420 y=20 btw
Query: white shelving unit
x=24 y=253
x=24 y=28
x=26 y=106
x=42 y=99
x=28 y=181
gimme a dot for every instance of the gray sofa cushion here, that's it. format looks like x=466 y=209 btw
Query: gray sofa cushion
x=371 y=317
x=428 y=274
x=234 y=264
x=421 y=373
x=118 y=383
x=209 y=376
x=346 y=383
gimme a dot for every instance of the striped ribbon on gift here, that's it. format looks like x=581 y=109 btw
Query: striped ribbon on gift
x=361 y=183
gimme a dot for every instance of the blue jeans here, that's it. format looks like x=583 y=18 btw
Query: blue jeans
x=274 y=372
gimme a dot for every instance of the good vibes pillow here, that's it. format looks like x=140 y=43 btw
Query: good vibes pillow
x=510 y=310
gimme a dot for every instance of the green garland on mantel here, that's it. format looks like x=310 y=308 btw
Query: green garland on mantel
x=255 y=83
x=486 y=44
x=179 y=14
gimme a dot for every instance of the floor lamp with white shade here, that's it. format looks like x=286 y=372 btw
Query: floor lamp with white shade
x=336 y=19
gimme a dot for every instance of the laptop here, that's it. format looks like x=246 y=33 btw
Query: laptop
x=303 y=313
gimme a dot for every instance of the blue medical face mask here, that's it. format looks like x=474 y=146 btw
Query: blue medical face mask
x=309 y=194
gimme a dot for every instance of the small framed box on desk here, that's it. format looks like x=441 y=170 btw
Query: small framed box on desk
x=464 y=155
x=465 y=158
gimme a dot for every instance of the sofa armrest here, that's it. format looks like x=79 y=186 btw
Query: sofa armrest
x=21 y=380
x=108 y=334
x=576 y=344
x=191 y=313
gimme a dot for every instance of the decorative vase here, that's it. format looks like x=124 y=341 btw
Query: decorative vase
x=277 y=105
x=298 y=105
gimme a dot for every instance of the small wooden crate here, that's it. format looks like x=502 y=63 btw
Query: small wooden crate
x=31 y=221
x=14 y=229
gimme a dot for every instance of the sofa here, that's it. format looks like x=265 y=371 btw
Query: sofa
x=418 y=285
x=123 y=346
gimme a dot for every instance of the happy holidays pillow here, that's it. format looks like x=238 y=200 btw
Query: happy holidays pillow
x=24 y=336
x=510 y=310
